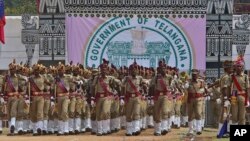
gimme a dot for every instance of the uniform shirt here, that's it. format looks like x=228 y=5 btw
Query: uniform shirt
x=243 y=80
x=39 y=82
x=23 y=84
x=137 y=81
x=225 y=80
x=196 y=86
x=216 y=93
x=65 y=80
x=156 y=82
x=1 y=83
x=108 y=80
x=14 y=80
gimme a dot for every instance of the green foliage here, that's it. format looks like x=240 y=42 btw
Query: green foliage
x=19 y=7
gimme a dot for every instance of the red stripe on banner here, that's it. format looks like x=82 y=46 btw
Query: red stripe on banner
x=37 y=5
x=2 y=23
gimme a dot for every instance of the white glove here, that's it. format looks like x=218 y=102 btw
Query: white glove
x=80 y=82
x=152 y=102
x=186 y=85
x=27 y=101
x=211 y=94
x=122 y=102
x=52 y=104
x=1 y=100
x=149 y=101
x=207 y=98
x=248 y=104
x=227 y=103
x=92 y=103
x=218 y=101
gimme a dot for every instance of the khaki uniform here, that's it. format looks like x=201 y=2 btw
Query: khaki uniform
x=163 y=102
x=47 y=97
x=90 y=93
x=115 y=112
x=72 y=103
x=238 y=99
x=37 y=85
x=133 y=103
x=37 y=104
x=215 y=102
x=150 y=108
x=177 y=101
x=195 y=103
x=62 y=88
x=184 y=111
x=2 y=104
x=83 y=108
x=103 y=102
x=12 y=93
x=21 y=105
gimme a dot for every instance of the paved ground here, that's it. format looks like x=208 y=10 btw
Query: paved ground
x=176 y=135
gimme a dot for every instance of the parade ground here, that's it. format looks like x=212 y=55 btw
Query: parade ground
x=209 y=134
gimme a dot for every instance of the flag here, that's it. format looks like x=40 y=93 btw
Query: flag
x=223 y=129
x=2 y=21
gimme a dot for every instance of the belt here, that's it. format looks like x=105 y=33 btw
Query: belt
x=102 y=95
x=37 y=93
x=132 y=94
x=242 y=92
x=62 y=94
x=195 y=95
x=12 y=94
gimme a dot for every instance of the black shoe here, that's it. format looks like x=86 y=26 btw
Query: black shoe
x=157 y=134
x=71 y=133
x=12 y=129
x=50 y=132
x=164 y=132
x=93 y=133
x=136 y=133
x=88 y=129
x=1 y=132
x=128 y=134
x=44 y=132
x=58 y=134
x=99 y=134
x=66 y=134
x=199 y=133
x=143 y=129
x=150 y=126
x=35 y=134
x=30 y=131
x=104 y=134
x=76 y=132
x=20 y=132
x=39 y=132
x=226 y=135
x=55 y=132
x=10 y=134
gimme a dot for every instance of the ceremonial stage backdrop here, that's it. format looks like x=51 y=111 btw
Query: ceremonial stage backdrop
x=180 y=41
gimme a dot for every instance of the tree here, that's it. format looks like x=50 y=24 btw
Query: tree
x=19 y=7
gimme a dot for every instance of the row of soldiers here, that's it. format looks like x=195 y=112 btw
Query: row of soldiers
x=68 y=99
